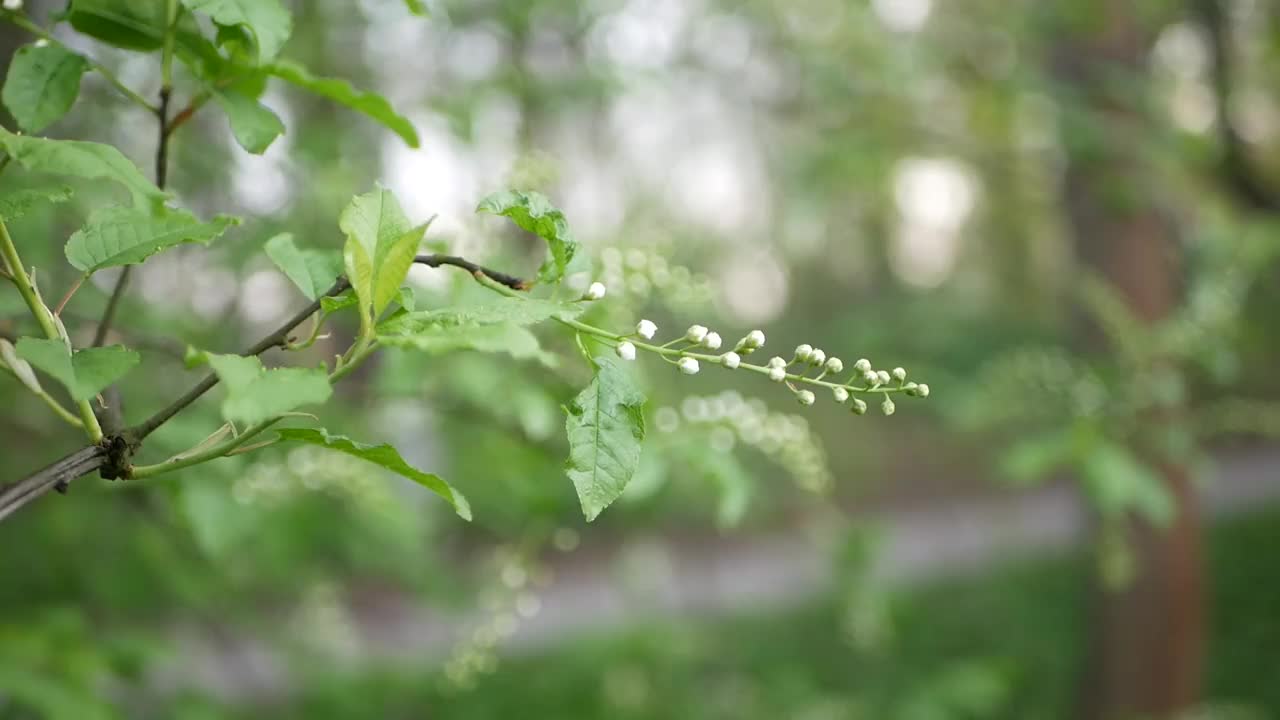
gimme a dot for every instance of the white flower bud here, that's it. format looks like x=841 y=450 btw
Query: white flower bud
x=14 y=5
x=626 y=350
x=646 y=329
x=804 y=352
x=883 y=377
x=688 y=365
x=818 y=357
x=752 y=341
x=899 y=374
x=859 y=407
x=777 y=374
x=887 y=407
x=835 y=365
x=922 y=390
x=840 y=394
x=805 y=397
x=711 y=341
x=871 y=378
x=595 y=291
x=730 y=360
x=777 y=362
x=863 y=365
x=695 y=333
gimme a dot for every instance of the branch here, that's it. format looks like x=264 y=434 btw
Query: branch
x=57 y=475
x=1241 y=177
x=502 y=278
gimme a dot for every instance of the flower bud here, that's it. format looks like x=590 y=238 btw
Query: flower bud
x=695 y=333
x=752 y=341
x=777 y=374
x=688 y=365
x=730 y=360
x=887 y=407
x=922 y=390
x=626 y=350
x=883 y=376
x=871 y=378
x=595 y=291
x=646 y=329
x=777 y=362
x=840 y=394
x=859 y=407
x=818 y=357
x=804 y=352
x=805 y=397
x=863 y=365
x=835 y=365
x=711 y=341
x=899 y=374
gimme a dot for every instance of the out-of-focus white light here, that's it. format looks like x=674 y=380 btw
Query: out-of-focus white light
x=903 y=15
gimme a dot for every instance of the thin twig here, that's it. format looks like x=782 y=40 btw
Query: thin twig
x=57 y=312
x=502 y=278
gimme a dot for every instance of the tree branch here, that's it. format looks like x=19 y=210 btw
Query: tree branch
x=502 y=278
x=1239 y=174
x=57 y=475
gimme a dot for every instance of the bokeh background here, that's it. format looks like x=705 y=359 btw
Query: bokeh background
x=1062 y=215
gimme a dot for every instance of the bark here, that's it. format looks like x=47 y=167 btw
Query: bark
x=1146 y=639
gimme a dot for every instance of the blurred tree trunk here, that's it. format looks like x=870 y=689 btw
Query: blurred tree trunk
x=1146 y=638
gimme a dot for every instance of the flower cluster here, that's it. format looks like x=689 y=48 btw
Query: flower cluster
x=808 y=367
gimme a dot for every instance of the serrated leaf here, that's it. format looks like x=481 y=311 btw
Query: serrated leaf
x=16 y=203
x=380 y=248
x=268 y=21
x=78 y=158
x=115 y=235
x=508 y=338
x=504 y=310
x=340 y=91
x=605 y=427
x=533 y=212
x=313 y=271
x=42 y=85
x=255 y=394
x=127 y=24
x=84 y=373
x=333 y=303
x=385 y=456
x=253 y=124
x=20 y=368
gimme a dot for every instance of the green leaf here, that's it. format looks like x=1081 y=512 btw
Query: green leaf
x=535 y=213
x=253 y=124
x=508 y=338
x=16 y=203
x=20 y=368
x=334 y=303
x=130 y=24
x=313 y=271
x=117 y=235
x=267 y=20
x=504 y=310
x=416 y=7
x=1031 y=459
x=88 y=160
x=340 y=91
x=385 y=456
x=605 y=426
x=84 y=373
x=1118 y=482
x=255 y=394
x=379 y=250
x=42 y=85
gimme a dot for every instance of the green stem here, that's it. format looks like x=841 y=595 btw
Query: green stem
x=101 y=69
x=362 y=351
x=667 y=352
x=44 y=318
x=53 y=404
x=166 y=59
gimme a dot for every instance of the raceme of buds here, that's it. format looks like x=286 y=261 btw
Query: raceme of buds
x=804 y=352
x=841 y=395
x=834 y=365
x=695 y=333
x=899 y=374
x=711 y=341
x=777 y=374
x=595 y=291
x=688 y=365
x=818 y=357
x=646 y=329
x=887 y=406
x=730 y=360
x=626 y=350
x=805 y=397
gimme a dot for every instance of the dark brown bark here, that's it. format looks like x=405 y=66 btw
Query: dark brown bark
x=1146 y=639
